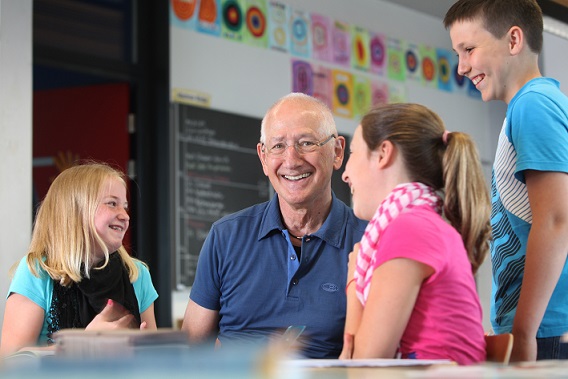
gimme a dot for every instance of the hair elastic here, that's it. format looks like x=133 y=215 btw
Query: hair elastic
x=445 y=136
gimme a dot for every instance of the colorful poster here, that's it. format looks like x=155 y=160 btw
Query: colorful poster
x=362 y=96
x=429 y=67
x=360 y=49
x=302 y=77
x=278 y=15
x=445 y=80
x=459 y=81
x=342 y=93
x=341 y=42
x=183 y=14
x=412 y=61
x=256 y=30
x=232 y=19
x=209 y=17
x=395 y=68
x=323 y=85
x=378 y=53
x=300 y=36
x=379 y=93
x=397 y=93
x=321 y=38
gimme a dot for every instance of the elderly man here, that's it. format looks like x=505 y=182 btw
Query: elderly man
x=283 y=262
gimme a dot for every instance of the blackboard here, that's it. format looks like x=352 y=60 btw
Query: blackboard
x=217 y=172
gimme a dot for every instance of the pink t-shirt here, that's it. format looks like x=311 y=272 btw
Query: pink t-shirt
x=446 y=320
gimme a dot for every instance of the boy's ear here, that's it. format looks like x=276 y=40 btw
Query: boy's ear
x=516 y=40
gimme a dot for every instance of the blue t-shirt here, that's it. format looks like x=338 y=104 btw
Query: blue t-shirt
x=534 y=137
x=249 y=272
x=40 y=290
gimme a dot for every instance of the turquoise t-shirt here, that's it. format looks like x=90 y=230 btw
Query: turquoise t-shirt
x=534 y=137
x=40 y=290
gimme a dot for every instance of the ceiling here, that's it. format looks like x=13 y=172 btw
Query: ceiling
x=554 y=8
x=437 y=8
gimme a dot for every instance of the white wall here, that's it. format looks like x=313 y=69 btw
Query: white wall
x=247 y=80
x=15 y=135
x=555 y=53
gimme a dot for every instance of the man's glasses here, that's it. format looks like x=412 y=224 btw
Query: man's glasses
x=302 y=146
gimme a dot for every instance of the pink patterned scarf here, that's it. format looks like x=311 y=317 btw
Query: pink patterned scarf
x=404 y=196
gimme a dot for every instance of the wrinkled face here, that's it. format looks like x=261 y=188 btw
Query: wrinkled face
x=363 y=177
x=299 y=179
x=111 y=217
x=483 y=59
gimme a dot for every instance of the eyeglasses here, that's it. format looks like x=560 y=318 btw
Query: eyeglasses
x=302 y=146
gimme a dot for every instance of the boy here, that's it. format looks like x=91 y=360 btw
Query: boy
x=498 y=44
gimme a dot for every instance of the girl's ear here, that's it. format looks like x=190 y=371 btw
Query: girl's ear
x=386 y=154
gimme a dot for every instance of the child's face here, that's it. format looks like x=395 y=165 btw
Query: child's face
x=111 y=217
x=362 y=176
x=484 y=59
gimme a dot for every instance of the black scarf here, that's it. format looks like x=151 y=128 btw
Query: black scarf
x=76 y=306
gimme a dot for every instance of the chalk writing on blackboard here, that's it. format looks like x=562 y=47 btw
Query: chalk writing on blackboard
x=217 y=172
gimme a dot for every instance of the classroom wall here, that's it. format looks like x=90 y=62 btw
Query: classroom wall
x=15 y=136
x=246 y=80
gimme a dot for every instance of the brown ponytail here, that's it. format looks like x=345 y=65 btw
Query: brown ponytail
x=448 y=164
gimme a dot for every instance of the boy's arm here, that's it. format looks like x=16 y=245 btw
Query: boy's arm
x=547 y=249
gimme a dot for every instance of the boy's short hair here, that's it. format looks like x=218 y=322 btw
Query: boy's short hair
x=499 y=16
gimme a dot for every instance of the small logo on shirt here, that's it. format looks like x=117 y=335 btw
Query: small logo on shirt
x=330 y=287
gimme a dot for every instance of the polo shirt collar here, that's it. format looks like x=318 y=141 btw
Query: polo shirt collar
x=332 y=231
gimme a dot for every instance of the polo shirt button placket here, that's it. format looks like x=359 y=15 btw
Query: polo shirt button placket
x=292 y=257
x=294 y=282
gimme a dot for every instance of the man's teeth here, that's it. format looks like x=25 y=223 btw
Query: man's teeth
x=298 y=177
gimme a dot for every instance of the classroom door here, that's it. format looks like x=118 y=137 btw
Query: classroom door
x=79 y=123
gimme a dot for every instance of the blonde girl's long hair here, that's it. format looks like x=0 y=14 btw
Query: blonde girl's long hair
x=450 y=165
x=64 y=236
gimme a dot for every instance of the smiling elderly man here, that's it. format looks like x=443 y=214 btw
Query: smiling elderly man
x=283 y=262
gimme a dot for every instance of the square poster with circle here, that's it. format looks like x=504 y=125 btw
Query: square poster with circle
x=209 y=17
x=342 y=93
x=278 y=36
x=360 y=49
x=412 y=61
x=362 y=96
x=300 y=35
x=232 y=19
x=255 y=17
x=378 y=53
x=429 y=66
x=321 y=38
x=341 y=38
x=395 y=59
x=183 y=13
x=445 y=80
x=302 y=77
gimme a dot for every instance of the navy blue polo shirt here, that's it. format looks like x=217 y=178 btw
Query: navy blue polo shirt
x=249 y=272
